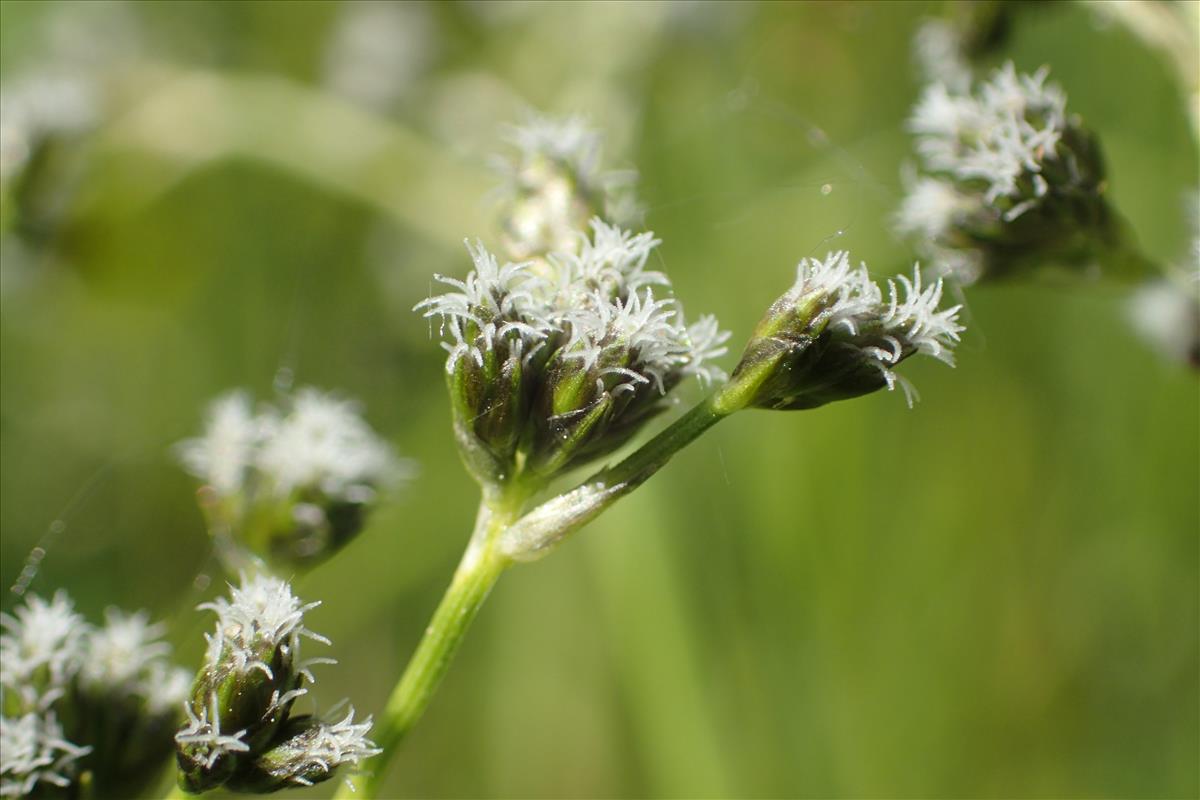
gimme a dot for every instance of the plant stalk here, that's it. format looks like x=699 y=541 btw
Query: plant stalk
x=485 y=559
x=477 y=572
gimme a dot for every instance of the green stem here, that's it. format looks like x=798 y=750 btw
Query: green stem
x=651 y=457
x=481 y=566
x=488 y=555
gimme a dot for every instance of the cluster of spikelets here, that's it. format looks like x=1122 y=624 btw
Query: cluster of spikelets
x=551 y=362
x=240 y=731
x=560 y=354
x=1013 y=185
x=836 y=334
x=1010 y=180
x=292 y=484
x=83 y=700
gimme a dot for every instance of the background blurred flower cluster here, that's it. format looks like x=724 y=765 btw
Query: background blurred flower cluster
x=995 y=593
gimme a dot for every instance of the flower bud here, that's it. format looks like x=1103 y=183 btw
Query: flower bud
x=1013 y=184
x=833 y=336
x=292 y=486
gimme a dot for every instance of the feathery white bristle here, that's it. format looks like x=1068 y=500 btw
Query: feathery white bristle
x=203 y=730
x=224 y=453
x=123 y=650
x=261 y=615
x=33 y=750
x=322 y=749
x=602 y=298
x=931 y=208
x=884 y=331
x=324 y=443
x=42 y=635
x=318 y=442
x=1002 y=133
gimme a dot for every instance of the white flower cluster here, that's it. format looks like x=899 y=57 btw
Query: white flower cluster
x=884 y=329
x=257 y=636
x=42 y=649
x=600 y=298
x=33 y=750
x=52 y=660
x=262 y=616
x=554 y=182
x=1001 y=134
x=123 y=650
x=320 y=443
x=1011 y=182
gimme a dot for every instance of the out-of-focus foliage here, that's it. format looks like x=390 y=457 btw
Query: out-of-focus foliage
x=995 y=593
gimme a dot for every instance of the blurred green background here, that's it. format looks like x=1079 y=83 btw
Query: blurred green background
x=994 y=594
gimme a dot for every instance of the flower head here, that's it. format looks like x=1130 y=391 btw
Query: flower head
x=322 y=443
x=292 y=483
x=123 y=650
x=113 y=688
x=240 y=731
x=1012 y=181
x=837 y=334
x=42 y=649
x=547 y=370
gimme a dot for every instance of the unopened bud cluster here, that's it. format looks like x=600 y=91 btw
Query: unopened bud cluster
x=554 y=182
x=1011 y=182
x=292 y=484
x=240 y=731
x=546 y=371
x=84 y=703
x=836 y=335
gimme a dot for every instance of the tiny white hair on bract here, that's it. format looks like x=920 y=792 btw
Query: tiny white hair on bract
x=203 y=730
